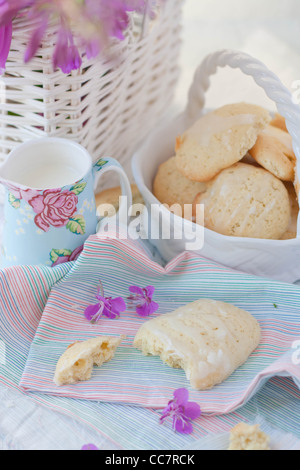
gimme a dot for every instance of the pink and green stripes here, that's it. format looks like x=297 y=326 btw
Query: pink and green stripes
x=142 y=381
x=24 y=300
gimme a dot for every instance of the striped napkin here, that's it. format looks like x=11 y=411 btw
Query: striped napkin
x=132 y=378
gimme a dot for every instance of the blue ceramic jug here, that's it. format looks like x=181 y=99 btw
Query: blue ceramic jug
x=50 y=207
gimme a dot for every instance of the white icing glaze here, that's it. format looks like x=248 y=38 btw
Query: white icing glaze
x=201 y=359
x=212 y=124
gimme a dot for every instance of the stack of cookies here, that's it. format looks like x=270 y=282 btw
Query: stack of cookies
x=239 y=164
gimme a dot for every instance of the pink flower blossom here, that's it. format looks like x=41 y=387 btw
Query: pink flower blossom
x=83 y=26
x=66 y=54
x=141 y=298
x=113 y=14
x=54 y=207
x=89 y=447
x=5 y=42
x=181 y=411
x=106 y=306
x=36 y=37
x=10 y=8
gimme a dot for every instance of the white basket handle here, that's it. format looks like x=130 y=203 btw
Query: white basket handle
x=266 y=79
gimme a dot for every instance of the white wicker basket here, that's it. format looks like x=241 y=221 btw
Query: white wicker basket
x=108 y=109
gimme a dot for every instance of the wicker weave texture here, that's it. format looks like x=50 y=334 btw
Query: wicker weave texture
x=108 y=106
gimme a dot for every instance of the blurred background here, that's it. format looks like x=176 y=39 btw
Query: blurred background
x=266 y=29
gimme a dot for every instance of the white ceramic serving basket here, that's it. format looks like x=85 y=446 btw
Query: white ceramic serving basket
x=277 y=259
x=108 y=106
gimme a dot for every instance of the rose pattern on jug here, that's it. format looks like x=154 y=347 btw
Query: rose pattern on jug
x=17 y=194
x=63 y=256
x=53 y=207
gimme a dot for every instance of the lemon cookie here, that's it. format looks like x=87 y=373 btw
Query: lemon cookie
x=292 y=228
x=219 y=139
x=209 y=339
x=279 y=122
x=249 y=160
x=77 y=362
x=248 y=437
x=274 y=151
x=171 y=187
x=110 y=197
x=245 y=201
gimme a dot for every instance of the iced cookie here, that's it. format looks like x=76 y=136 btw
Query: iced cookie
x=279 y=122
x=273 y=150
x=209 y=339
x=110 y=197
x=249 y=160
x=248 y=437
x=292 y=228
x=171 y=187
x=245 y=201
x=219 y=139
x=77 y=362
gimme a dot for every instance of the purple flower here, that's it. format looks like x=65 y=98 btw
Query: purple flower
x=107 y=306
x=116 y=18
x=141 y=298
x=92 y=48
x=181 y=411
x=10 y=8
x=113 y=14
x=89 y=447
x=66 y=55
x=36 y=38
x=5 y=42
x=84 y=24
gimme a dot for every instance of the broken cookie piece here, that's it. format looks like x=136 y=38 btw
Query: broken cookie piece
x=77 y=362
x=248 y=437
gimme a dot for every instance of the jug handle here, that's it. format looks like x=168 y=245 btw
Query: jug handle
x=101 y=167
